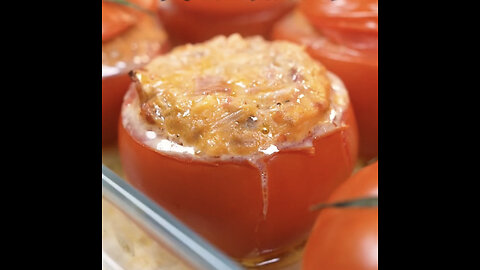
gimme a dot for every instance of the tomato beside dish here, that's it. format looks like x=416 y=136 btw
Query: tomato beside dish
x=197 y=21
x=224 y=200
x=118 y=23
x=346 y=238
x=343 y=35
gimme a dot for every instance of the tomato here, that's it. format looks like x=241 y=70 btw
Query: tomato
x=355 y=14
x=350 y=22
x=229 y=203
x=357 y=68
x=126 y=32
x=227 y=7
x=118 y=18
x=115 y=20
x=346 y=238
x=184 y=26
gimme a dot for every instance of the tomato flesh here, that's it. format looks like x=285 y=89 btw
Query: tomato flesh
x=224 y=200
x=357 y=68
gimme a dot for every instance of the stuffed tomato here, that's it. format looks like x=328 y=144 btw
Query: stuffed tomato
x=238 y=138
x=343 y=35
x=130 y=38
x=197 y=21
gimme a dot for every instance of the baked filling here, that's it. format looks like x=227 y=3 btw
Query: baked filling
x=232 y=96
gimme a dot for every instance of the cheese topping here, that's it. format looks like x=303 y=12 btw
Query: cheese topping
x=233 y=96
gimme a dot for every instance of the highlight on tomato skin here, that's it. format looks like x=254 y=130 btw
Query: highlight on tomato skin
x=346 y=238
x=187 y=26
x=357 y=68
x=127 y=34
x=223 y=201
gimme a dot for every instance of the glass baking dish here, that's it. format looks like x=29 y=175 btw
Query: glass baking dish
x=182 y=248
x=140 y=234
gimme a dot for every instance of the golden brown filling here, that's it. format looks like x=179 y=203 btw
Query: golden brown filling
x=134 y=48
x=234 y=96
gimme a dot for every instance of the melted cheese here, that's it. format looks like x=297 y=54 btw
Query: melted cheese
x=233 y=96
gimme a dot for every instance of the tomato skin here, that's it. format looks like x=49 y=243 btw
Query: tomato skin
x=346 y=238
x=184 y=26
x=116 y=25
x=349 y=22
x=118 y=18
x=227 y=7
x=113 y=89
x=357 y=68
x=223 y=201
x=115 y=20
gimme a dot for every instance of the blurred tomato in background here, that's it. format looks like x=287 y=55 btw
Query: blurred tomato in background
x=130 y=38
x=196 y=21
x=343 y=35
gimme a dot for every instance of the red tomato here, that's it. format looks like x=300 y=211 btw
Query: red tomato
x=118 y=23
x=350 y=22
x=357 y=68
x=113 y=89
x=346 y=238
x=117 y=18
x=184 y=26
x=227 y=7
x=224 y=200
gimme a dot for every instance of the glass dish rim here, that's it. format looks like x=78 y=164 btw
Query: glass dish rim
x=176 y=236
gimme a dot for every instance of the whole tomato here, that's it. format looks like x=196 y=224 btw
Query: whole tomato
x=343 y=35
x=197 y=21
x=128 y=34
x=346 y=238
x=227 y=7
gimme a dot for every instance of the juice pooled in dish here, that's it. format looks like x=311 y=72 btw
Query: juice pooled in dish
x=130 y=38
x=238 y=138
x=199 y=20
x=343 y=35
